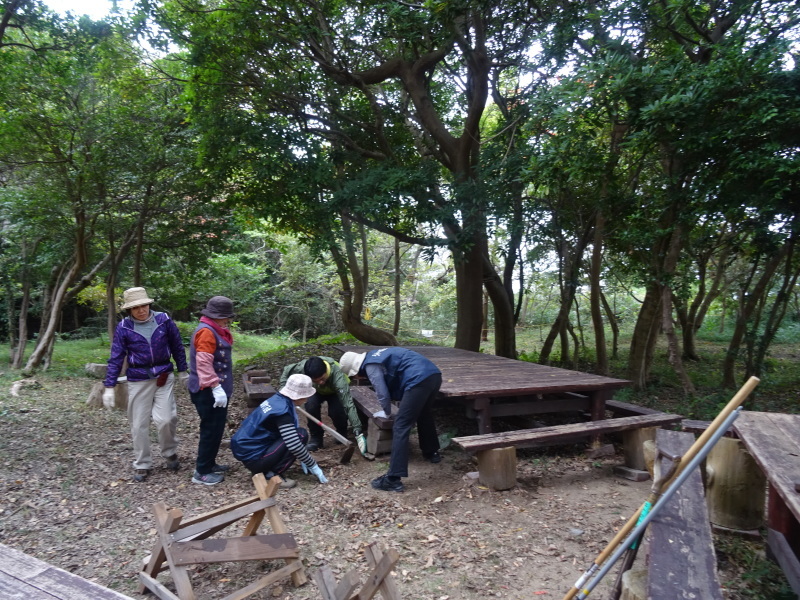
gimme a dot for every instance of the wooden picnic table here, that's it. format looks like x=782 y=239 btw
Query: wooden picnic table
x=773 y=439
x=492 y=386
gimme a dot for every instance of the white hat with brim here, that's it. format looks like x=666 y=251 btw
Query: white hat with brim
x=351 y=362
x=134 y=297
x=298 y=387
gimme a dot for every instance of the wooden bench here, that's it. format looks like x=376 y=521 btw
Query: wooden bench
x=257 y=387
x=681 y=562
x=496 y=452
x=379 y=429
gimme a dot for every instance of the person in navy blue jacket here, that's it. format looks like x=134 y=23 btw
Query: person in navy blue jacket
x=270 y=438
x=404 y=375
x=148 y=340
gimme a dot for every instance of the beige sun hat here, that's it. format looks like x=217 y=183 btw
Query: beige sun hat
x=298 y=387
x=133 y=297
x=351 y=362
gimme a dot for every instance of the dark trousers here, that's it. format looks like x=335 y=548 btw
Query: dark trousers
x=212 y=426
x=415 y=408
x=336 y=412
x=277 y=458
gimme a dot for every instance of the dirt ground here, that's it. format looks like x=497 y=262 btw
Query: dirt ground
x=66 y=497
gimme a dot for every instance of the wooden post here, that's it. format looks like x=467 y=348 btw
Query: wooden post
x=632 y=441
x=736 y=487
x=497 y=468
x=634 y=585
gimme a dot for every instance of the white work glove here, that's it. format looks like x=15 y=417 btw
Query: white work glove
x=108 y=397
x=220 y=397
x=318 y=472
x=380 y=415
x=361 y=440
x=183 y=377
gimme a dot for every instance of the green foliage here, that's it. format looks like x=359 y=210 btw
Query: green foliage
x=762 y=578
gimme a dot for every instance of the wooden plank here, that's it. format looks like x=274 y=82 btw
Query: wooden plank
x=376 y=578
x=774 y=442
x=529 y=438
x=157 y=588
x=388 y=587
x=251 y=547
x=681 y=558
x=366 y=401
x=626 y=409
x=26 y=577
x=221 y=520
x=263 y=582
x=783 y=554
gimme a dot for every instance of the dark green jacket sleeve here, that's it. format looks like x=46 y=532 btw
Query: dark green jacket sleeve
x=289 y=370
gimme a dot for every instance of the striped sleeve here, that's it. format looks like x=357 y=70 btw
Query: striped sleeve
x=289 y=434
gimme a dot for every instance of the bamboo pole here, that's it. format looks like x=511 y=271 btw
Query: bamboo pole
x=701 y=441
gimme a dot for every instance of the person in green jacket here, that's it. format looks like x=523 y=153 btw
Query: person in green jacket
x=332 y=386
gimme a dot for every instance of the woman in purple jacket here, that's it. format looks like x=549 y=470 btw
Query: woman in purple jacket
x=148 y=340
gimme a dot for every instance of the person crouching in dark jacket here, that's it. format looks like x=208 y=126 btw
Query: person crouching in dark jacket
x=270 y=438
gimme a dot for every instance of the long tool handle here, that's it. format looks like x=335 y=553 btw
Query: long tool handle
x=701 y=441
x=330 y=430
x=671 y=489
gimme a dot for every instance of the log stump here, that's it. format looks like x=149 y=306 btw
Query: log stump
x=736 y=487
x=632 y=442
x=498 y=468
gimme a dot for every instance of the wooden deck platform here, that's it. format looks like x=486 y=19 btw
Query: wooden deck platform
x=492 y=386
x=23 y=577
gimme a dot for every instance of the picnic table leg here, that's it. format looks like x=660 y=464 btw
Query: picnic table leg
x=597 y=408
x=483 y=410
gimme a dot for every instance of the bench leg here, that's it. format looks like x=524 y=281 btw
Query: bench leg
x=497 y=468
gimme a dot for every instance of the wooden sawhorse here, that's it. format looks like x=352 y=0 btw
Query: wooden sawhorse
x=181 y=543
x=380 y=579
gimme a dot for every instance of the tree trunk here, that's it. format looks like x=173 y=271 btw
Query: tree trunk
x=396 y=328
x=595 y=297
x=673 y=348
x=645 y=335
x=612 y=321
x=353 y=296
x=469 y=295
x=750 y=301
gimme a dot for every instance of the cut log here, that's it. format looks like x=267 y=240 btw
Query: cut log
x=498 y=468
x=632 y=441
x=736 y=487
x=634 y=585
x=649 y=454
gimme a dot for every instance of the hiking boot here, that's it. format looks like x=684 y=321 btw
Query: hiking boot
x=434 y=457
x=139 y=475
x=173 y=464
x=220 y=468
x=314 y=444
x=287 y=483
x=388 y=485
x=208 y=478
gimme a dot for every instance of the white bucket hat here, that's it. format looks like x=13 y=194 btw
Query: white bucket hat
x=134 y=297
x=351 y=362
x=298 y=387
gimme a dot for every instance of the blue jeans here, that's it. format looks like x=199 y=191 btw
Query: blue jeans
x=212 y=427
x=415 y=408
